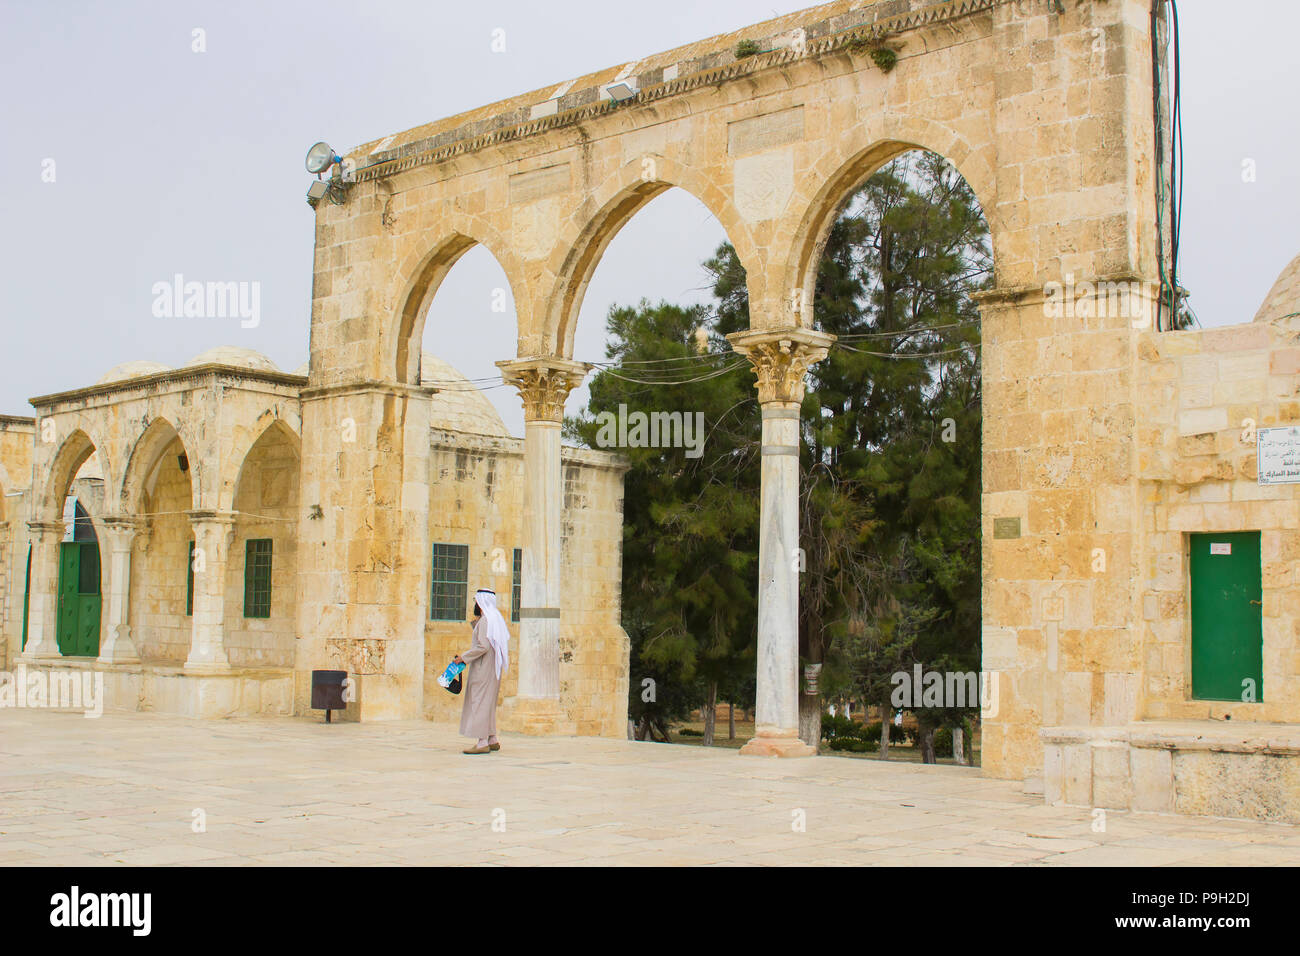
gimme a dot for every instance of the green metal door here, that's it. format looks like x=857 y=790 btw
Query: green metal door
x=79 y=599
x=27 y=593
x=1227 y=617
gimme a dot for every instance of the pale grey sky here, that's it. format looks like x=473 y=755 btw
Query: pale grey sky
x=169 y=161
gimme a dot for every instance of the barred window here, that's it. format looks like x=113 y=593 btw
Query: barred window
x=257 y=577
x=517 y=585
x=450 y=588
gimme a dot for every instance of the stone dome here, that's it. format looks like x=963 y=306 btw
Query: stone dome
x=234 y=356
x=459 y=406
x=138 y=369
x=1284 y=297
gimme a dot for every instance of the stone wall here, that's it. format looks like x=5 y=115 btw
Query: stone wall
x=266 y=506
x=160 y=627
x=475 y=498
x=1203 y=396
x=17 y=436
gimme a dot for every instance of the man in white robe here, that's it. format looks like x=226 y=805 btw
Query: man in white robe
x=486 y=663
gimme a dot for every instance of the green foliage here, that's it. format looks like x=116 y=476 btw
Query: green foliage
x=690 y=525
x=890 y=469
x=884 y=58
x=747 y=48
x=852 y=744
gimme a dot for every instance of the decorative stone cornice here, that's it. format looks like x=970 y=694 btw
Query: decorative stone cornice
x=544 y=383
x=823 y=37
x=780 y=358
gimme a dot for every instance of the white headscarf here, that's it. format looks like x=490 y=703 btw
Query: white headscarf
x=497 y=634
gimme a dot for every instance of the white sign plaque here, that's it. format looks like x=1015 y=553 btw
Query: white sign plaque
x=1220 y=547
x=1278 y=455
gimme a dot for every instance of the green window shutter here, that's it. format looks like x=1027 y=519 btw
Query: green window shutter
x=257 y=577
x=189 y=583
x=449 y=593
x=517 y=585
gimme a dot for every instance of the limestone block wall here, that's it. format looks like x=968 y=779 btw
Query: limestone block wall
x=475 y=498
x=1202 y=396
x=160 y=628
x=594 y=648
x=266 y=506
x=17 y=436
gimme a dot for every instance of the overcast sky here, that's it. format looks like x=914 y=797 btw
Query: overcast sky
x=170 y=161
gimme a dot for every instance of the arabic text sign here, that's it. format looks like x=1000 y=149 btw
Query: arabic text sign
x=1278 y=451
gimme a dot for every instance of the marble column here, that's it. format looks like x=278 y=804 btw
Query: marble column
x=780 y=359
x=117 y=646
x=543 y=384
x=43 y=601
x=213 y=533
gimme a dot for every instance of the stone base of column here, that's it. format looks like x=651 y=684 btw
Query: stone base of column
x=38 y=652
x=778 y=745
x=536 y=717
x=205 y=667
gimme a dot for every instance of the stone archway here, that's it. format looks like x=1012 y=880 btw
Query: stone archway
x=1056 y=142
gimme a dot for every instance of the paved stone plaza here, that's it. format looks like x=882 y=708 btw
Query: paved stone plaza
x=124 y=788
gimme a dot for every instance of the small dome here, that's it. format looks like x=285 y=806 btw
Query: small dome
x=1284 y=297
x=459 y=406
x=120 y=373
x=233 y=356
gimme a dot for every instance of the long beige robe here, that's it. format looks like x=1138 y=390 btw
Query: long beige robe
x=479 y=686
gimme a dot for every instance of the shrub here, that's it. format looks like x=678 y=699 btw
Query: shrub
x=851 y=744
x=747 y=48
x=943 y=742
x=839 y=726
x=690 y=732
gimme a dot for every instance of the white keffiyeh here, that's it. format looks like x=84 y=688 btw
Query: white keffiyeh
x=497 y=634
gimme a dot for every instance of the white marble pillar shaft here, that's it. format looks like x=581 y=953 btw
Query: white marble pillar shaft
x=777 y=705
x=117 y=646
x=213 y=533
x=43 y=606
x=539 y=617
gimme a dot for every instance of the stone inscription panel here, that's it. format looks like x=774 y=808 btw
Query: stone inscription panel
x=765 y=132
x=539 y=183
x=1278 y=451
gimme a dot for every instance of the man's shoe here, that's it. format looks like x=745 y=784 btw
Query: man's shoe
x=477 y=750
x=494 y=746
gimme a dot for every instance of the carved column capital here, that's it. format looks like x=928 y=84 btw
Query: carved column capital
x=543 y=383
x=41 y=529
x=780 y=358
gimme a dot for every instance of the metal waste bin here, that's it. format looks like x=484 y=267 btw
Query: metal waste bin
x=327 y=691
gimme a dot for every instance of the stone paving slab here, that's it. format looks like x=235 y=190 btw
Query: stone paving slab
x=123 y=790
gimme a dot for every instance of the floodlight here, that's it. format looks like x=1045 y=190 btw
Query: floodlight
x=321 y=157
x=316 y=192
x=620 y=91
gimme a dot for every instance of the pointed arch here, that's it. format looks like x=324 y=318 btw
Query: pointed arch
x=845 y=166
x=143 y=462
x=619 y=198
x=425 y=272
x=72 y=453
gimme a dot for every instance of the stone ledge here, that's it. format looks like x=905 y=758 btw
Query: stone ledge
x=1205 y=735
